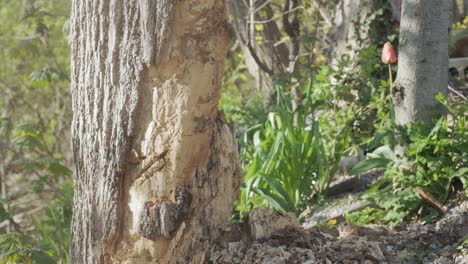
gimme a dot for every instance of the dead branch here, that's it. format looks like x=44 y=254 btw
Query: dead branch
x=428 y=198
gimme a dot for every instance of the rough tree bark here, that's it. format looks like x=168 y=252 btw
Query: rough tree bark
x=350 y=30
x=155 y=165
x=460 y=9
x=422 y=60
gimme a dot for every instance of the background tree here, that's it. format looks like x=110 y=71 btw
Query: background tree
x=351 y=29
x=263 y=50
x=155 y=164
x=423 y=60
x=279 y=38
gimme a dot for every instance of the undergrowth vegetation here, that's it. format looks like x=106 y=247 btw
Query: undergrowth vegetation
x=431 y=158
x=291 y=158
x=50 y=180
x=35 y=113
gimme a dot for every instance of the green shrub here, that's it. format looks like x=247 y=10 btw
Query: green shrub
x=51 y=239
x=16 y=248
x=433 y=157
x=289 y=159
x=48 y=242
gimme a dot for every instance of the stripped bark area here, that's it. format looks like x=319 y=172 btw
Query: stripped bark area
x=156 y=165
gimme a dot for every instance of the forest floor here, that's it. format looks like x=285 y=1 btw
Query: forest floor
x=275 y=238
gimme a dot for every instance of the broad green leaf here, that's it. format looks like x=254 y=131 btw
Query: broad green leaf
x=276 y=202
x=369 y=164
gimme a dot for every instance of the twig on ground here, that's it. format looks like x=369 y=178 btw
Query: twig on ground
x=428 y=198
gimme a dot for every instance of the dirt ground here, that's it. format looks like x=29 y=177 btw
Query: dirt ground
x=280 y=239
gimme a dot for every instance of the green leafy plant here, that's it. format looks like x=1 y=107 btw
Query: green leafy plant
x=54 y=228
x=35 y=118
x=365 y=216
x=433 y=158
x=15 y=248
x=50 y=241
x=332 y=119
x=290 y=161
x=49 y=178
x=463 y=247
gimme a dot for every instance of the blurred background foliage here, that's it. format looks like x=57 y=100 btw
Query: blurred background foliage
x=302 y=98
x=35 y=115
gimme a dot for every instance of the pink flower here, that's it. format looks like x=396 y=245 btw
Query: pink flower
x=388 y=54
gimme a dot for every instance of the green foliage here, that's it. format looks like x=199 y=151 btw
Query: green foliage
x=433 y=157
x=34 y=71
x=35 y=116
x=4 y=214
x=287 y=165
x=463 y=247
x=16 y=248
x=243 y=104
x=290 y=160
x=369 y=164
x=32 y=156
x=462 y=25
x=365 y=216
x=344 y=105
x=50 y=241
x=54 y=229
x=34 y=110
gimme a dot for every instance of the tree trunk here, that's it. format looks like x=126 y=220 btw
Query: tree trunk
x=262 y=60
x=4 y=139
x=156 y=166
x=460 y=9
x=395 y=6
x=350 y=30
x=423 y=60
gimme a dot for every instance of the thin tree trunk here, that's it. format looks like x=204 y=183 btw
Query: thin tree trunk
x=350 y=30
x=3 y=184
x=262 y=60
x=156 y=165
x=460 y=9
x=396 y=9
x=423 y=60
x=4 y=138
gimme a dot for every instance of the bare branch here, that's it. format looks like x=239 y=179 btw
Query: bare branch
x=293 y=30
x=428 y=198
x=278 y=16
x=324 y=15
x=260 y=64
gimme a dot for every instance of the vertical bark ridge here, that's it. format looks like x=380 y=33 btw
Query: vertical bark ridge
x=107 y=73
